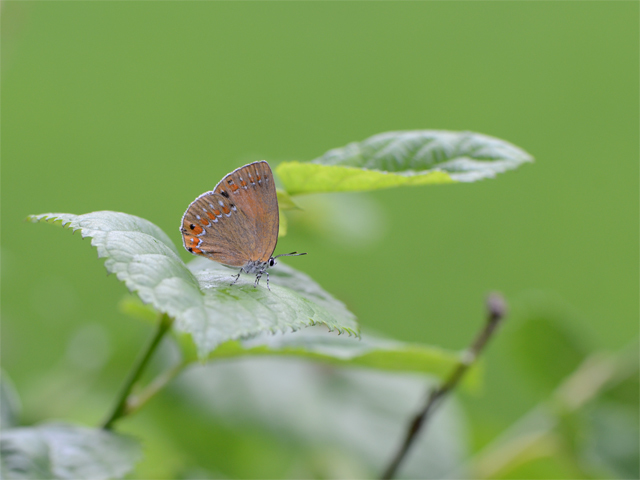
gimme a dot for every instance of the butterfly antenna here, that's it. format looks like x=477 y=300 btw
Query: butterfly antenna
x=292 y=254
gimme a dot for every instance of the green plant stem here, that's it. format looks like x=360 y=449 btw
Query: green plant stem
x=496 y=310
x=136 y=402
x=120 y=407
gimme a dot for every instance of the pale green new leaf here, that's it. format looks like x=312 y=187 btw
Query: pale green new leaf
x=200 y=297
x=403 y=158
x=62 y=451
x=285 y=202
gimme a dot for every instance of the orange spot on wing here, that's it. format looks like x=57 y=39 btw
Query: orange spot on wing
x=204 y=222
x=196 y=250
x=234 y=187
x=225 y=209
x=197 y=229
x=211 y=215
x=243 y=183
x=217 y=212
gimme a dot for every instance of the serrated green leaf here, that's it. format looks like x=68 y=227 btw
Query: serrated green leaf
x=9 y=403
x=295 y=301
x=403 y=158
x=610 y=441
x=62 y=451
x=199 y=297
x=316 y=344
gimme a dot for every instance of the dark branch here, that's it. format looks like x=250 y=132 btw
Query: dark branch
x=496 y=311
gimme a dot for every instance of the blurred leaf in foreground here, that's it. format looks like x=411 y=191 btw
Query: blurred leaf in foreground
x=62 y=451
x=578 y=425
x=394 y=159
x=354 y=414
x=611 y=442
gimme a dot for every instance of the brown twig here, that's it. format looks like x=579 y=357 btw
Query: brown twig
x=496 y=310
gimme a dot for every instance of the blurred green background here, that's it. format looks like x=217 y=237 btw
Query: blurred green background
x=141 y=106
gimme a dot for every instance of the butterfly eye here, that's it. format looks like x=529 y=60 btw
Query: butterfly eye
x=272 y=262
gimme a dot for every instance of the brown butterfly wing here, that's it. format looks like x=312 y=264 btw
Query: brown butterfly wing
x=238 y=221
x=252 y=189
x=214 y=227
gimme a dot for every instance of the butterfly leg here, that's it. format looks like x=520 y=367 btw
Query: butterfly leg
x=236 y=276
x=259 y=276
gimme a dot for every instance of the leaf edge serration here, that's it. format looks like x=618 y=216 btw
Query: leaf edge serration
x=204 y=336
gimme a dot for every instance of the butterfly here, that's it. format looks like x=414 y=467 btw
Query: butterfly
x=237 y=223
